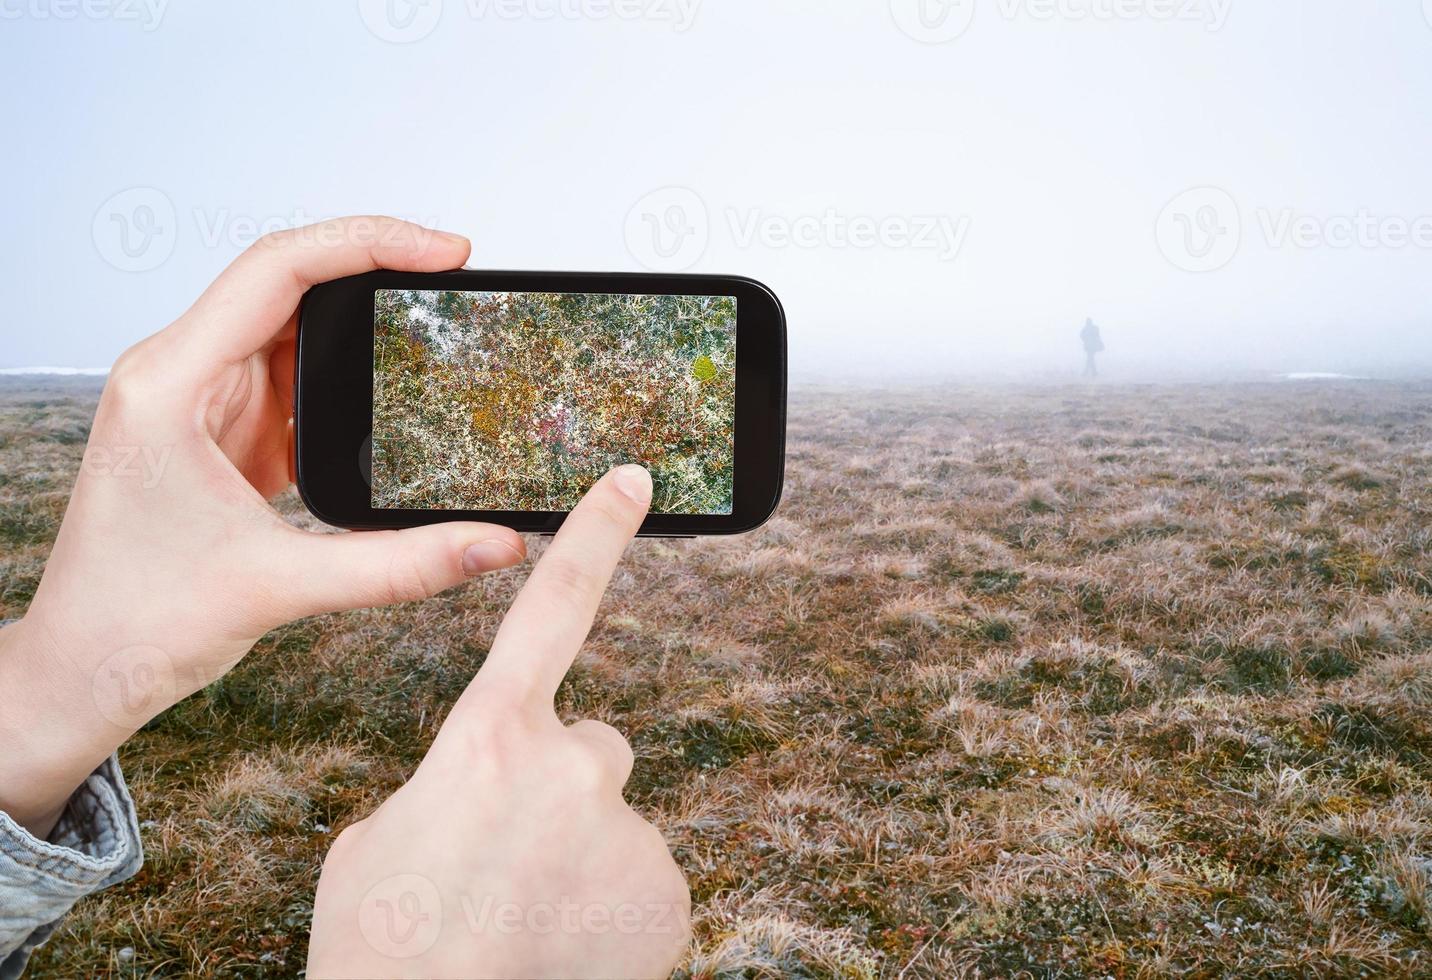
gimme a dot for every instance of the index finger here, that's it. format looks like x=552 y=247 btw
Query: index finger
x=553 y=613
x=255 y=297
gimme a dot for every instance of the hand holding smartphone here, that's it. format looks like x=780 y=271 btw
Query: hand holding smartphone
x=423 y=398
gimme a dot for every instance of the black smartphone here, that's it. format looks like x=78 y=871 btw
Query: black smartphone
x=503 y=396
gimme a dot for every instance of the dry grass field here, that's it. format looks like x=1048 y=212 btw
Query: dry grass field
x=1043 y=682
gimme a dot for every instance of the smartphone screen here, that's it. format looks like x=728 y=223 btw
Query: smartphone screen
x=503 y=395
x=520 y=401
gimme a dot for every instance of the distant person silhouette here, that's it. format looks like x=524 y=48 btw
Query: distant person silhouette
x=1093 y=347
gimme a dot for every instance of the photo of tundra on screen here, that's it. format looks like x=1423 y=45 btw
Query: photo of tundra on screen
x=522 y=400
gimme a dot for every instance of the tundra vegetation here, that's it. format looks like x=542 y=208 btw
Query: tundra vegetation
x=1126 y=681
x=519 y=401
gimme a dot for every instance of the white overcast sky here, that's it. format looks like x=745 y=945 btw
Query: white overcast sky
x=1047 y=141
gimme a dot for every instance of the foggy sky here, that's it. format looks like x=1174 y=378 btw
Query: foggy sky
x=1223 y=185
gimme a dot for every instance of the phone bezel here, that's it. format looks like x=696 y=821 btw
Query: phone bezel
x=333 y=396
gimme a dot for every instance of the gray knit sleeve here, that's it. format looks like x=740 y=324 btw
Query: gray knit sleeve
x=94 y=845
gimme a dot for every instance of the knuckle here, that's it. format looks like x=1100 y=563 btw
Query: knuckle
x=610 y=509
x=131 y=386
x=592 y=728
x=494 y=743
x=609 y=739
x=361 y=230
x=379 y=231
x=272 y=241
x=479 y=721
x=494 y=754
x=131 y=372
x=570 y=579
x=589 y=780
x=348 y=840
x=602 y=757
x=623 y=750
x=373 y=221
x=501 y=696
x=407 y=579
x=587 y=770
x=128 y=363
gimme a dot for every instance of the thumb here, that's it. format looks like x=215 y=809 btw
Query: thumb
x=332 y=572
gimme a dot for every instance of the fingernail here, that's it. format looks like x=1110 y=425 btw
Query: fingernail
x=453 y=237
x=489 y=556
x=634 y=481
